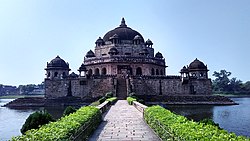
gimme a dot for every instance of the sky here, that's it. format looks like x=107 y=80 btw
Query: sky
x=33 y=32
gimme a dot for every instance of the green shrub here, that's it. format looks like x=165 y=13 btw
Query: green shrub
x=87 y=117
x=170 y=126
x=112 y=100
x=130 y=100
x=35 y=120
x=108 y=95
x=101 y=100
x=69 y=110
x=208 y=121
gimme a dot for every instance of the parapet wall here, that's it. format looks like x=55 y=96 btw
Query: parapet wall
x=170 y=86
x=78 y=87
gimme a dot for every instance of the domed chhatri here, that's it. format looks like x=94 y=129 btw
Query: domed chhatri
x=90 y=53
x=57 y=63
x=122 y=62
x=197 y=65
x=57 y=68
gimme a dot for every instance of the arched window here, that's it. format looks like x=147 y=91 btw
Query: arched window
x=55 y=74
x=138 y=71
x=48 y=75
x=97 y=72
x=152 y=71
x=157 y=72
x=104 y=71
x=161 y=72
x=63 y=74
x=90 y=72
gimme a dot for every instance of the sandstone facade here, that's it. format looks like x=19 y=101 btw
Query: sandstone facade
x=122 y=62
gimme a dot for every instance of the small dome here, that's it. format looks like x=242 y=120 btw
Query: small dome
x=113 y=50
x=149 y=42
x=197 y=65
x=73 y=75
x=82 y=68
x=144 y=52
x=58 y=63
x=99 y=40
x=90 y=53
x=158 y=55
x=184 y=70
x=138 y=37
x=124 y=32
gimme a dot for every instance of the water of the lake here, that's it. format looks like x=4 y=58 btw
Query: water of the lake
x=11 y=120
x=234 y=118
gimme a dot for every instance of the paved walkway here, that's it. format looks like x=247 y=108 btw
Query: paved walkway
x=123 y=122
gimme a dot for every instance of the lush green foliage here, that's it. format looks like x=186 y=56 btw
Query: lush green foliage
x=170 y=126
x=65 y=127
x=112 y=100
x=108 y=95
x=101 y=100
x=222 y=84
x=69 y=110
x=208 y=121
x=35 y=120
x=130 y=100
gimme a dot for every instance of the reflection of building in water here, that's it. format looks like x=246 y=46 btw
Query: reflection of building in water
x=123 y=62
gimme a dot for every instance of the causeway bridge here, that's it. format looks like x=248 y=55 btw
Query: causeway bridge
x=123 y=122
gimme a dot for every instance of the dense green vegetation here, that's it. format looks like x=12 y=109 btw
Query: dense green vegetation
x=69 y=110
x=102 y=99
x=112 y=100
x=224 y=85
x=130 y=100
x=35 y=120
x=170 y=126
x=88 y=118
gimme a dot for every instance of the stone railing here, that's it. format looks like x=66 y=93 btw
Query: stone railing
x=156 y=77
x=140 y=107
x=125 y=58
x=104 y=106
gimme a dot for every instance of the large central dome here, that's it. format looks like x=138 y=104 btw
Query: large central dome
x=123 y=32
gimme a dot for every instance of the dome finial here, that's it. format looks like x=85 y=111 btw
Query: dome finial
x=123 y=24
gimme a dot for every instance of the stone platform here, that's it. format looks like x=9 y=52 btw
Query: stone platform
x=123 y=122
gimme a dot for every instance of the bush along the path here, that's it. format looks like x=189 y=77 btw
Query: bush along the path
x=35 y=120
x=69 y=110
x=84 y=121
x=130 y=100
x=172 y=127
x=112 y=100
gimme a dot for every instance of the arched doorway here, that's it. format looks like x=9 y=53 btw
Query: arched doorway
x=90 y=72
x=138 y=71
x=104 y=71
x=152 y=71
x=97 y=72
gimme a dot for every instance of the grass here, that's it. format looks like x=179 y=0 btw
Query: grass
x=18 y=96
x=232 y=95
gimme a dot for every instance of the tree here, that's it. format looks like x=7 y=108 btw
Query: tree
x=246 y=87
x=35 y=120
x=221 y=82
x=235 y=86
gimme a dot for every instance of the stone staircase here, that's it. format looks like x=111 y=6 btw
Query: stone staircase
x=121 y=88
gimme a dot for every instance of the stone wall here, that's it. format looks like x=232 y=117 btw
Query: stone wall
x=78 y=87
x=170 y=86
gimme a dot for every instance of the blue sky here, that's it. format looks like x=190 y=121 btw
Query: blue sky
x=33 y=32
